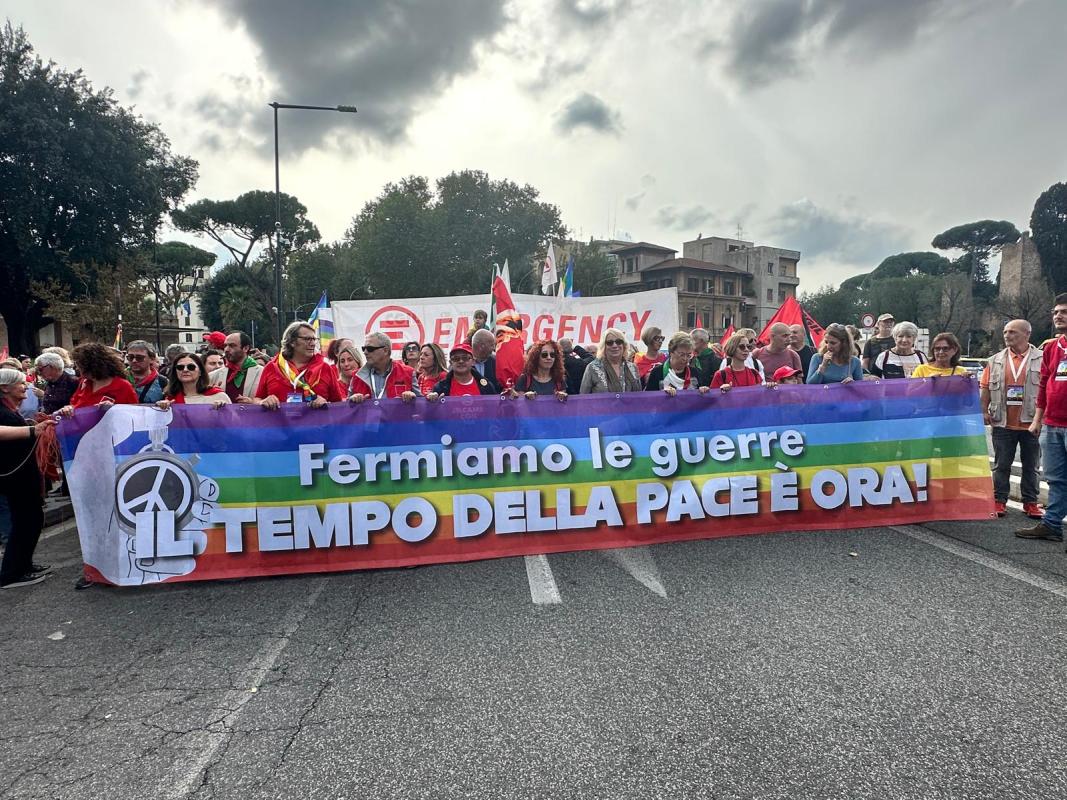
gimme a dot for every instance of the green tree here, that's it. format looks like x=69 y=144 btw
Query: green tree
x=227 y=302
x=82 y=180
x=1048 y=224
x=828 y=304
x=333 y=268
x=594 y=272
x=173 y=271
x=900 y=265
x=245 y=227
x=412 y=241
x=978 y=240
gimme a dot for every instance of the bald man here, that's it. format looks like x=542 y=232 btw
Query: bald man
x=778 y=353
x=798 y=340
x=1009 y=401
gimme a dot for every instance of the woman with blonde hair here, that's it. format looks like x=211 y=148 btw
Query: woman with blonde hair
x=675 y=374
x=735 y=371
x=652 y=357
x=610 y=371
x=349 y=361
x=836 y=361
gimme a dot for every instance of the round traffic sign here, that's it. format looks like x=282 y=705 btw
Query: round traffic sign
x=867 y=320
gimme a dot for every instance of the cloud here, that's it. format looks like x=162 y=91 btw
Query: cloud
x=844 y=237
x=588 y=111
x=592 y=13
x=769 y=41
x=227 y=120
x=684 y=219
x=633 y=201
x=138 y=81
x=385 y=58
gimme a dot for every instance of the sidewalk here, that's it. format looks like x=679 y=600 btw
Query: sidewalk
x=57 y=509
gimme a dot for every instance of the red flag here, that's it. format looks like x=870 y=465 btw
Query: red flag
x=510 y=353
x=699 y=322
x=792 y=313
x=726 y=335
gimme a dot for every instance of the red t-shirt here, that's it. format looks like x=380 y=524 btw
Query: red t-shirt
x=320 y=375
x=745 y=377
x=459 y=390
x=427 y=382
x=117 y=390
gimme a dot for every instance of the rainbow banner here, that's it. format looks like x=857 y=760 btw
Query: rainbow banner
x=194 y=493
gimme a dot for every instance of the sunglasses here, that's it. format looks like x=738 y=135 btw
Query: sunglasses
x=615 y=342
x=411 y=348
x=548 y=355
x=186 y=367
x=944 y=349
x=460 y=357
x=371 y=348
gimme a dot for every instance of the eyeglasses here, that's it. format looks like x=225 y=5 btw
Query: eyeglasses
x=132 y=357
x=186 y=367
x=369 y=348
x=308 y=339
x=615 y=342
x=458 y=357
x=658 y=338
x=944 y=349
x=548 y=355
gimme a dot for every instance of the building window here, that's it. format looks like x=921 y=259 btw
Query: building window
x=770 y=267
x=188 y=337
x=692 y=285
x=727 y=321
x=730 y=248
x=728 y=286
x=781 y=295
x=691 y=319
x=770 y=295
x=709 y=286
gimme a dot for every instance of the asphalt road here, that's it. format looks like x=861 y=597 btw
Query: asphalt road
x=923 y=662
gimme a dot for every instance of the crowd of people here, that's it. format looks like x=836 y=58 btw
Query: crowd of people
x=1023 y=389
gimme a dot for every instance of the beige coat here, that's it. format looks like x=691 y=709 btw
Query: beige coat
x=218 y=378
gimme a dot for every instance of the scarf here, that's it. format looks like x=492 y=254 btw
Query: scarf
x=295 y=378
x=237 y=372
x=670 y=377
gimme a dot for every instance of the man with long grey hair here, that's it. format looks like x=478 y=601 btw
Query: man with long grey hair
x=298 y=374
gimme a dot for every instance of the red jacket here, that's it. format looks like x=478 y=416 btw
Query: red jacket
x=319 y=375
x=1052 y=393
x=401 y=378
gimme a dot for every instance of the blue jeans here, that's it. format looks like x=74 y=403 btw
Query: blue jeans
x=1054 y=454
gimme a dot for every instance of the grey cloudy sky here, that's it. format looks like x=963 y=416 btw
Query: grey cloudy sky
x=847 y=129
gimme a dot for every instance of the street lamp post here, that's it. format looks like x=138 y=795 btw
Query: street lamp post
x=278 y=316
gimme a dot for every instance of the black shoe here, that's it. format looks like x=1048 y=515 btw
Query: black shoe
x=1040 y=531
x=29 y=579
x=83 y=583
x=45 y=568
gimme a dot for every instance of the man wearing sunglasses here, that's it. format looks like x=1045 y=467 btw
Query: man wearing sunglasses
x=382 y=376
x=146 y=380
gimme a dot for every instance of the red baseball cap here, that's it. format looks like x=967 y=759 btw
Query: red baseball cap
x=461 y=348
x=782 y=373
x=215 y=338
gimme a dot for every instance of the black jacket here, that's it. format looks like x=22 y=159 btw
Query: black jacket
x=444 y=386
x=574 y=365
x=489 y=372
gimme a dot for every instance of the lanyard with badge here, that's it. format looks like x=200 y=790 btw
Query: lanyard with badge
x=297 y=380
x=1015 y=387
x=1061 y=368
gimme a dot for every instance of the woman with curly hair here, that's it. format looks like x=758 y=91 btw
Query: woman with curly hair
x=103 y=379
x=542 y=374
x=188 y=384
x=431 y=368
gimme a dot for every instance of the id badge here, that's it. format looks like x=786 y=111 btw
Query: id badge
x=295 y=397
x=1015 y=395
x=1061 y=371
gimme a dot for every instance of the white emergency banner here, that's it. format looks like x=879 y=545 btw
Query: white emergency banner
x=446 y=320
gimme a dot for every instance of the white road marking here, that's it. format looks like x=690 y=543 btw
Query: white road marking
x=248 y=683
x=62 y=527
x=638 y=562
x=543 y=589
x=1001 y=565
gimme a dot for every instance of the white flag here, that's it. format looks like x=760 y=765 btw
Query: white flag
x=548 y=272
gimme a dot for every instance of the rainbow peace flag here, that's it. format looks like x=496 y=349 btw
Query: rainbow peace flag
x=321 y=320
